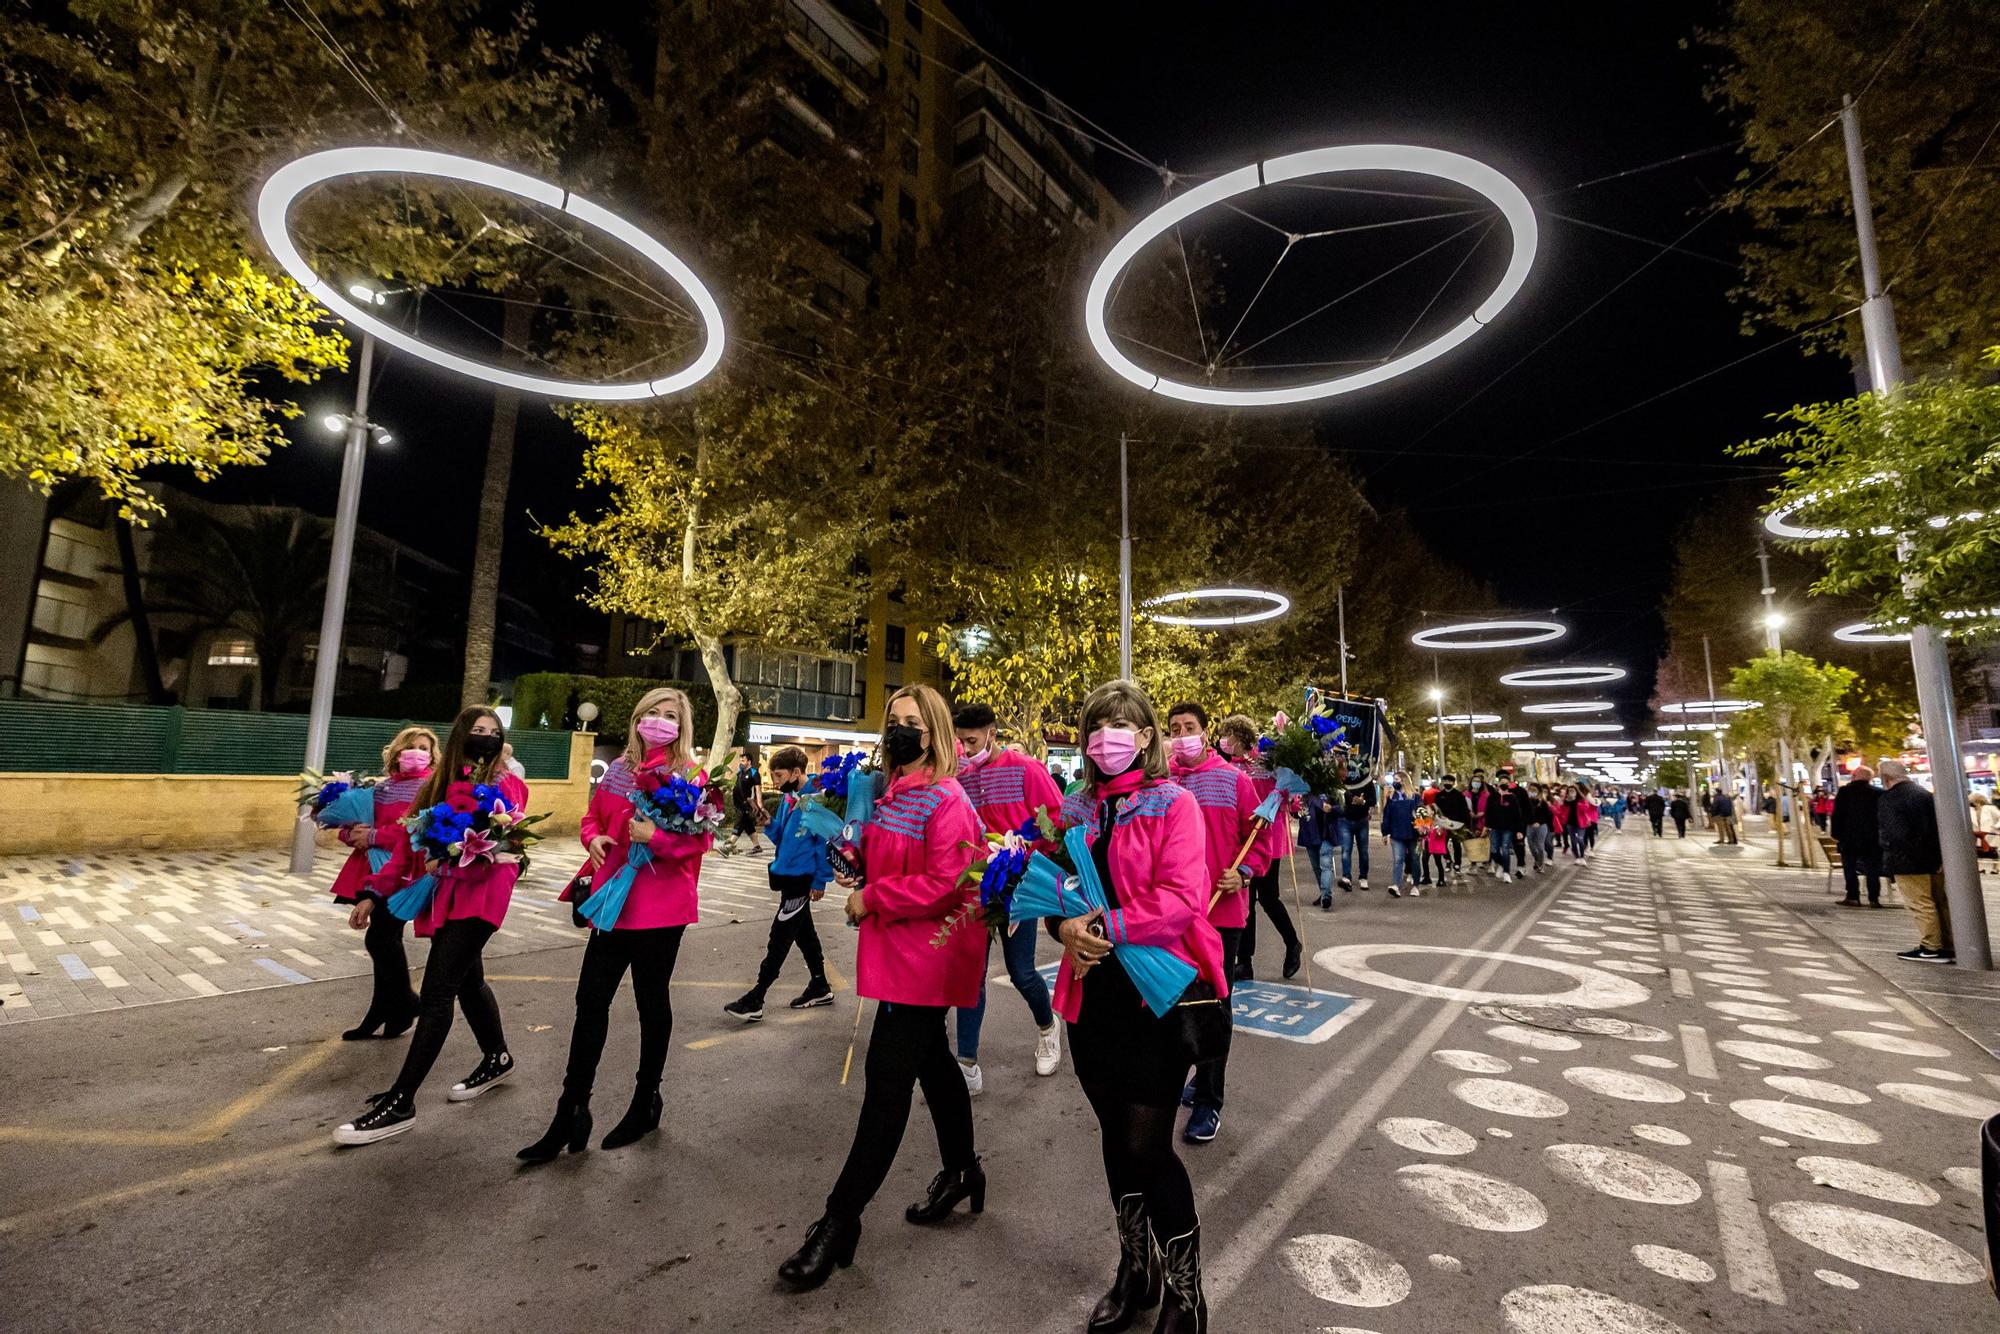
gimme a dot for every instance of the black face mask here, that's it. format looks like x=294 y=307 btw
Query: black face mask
x=793 y=785
x=483 y=746
x=902 y=743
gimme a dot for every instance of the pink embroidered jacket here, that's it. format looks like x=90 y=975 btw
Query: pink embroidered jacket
x=665 y=891
x=392 y=802
x=915 y=847
x=1160 y=877
x=1228 y=804
x=482 y=890
x=1007 y=789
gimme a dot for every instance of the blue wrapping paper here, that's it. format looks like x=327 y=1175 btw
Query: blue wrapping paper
x=354 y=806
x=410 y=902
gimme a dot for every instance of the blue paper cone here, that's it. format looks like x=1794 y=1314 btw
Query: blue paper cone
x=354 y=806
x=410 y=902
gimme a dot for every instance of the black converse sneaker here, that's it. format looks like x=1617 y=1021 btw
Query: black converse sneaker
x=493 y=1067
x=749 y=1007
x=388 y=1114
x=817 y=993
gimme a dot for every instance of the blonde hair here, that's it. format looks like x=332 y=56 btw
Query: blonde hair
x=1121 y=702
x=403 y=741
x=941 y=751
x=681 y=753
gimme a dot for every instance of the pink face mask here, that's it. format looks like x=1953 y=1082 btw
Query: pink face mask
x=1114 y=749
x=1189 y=749
x=658 y=731
x=414 y=762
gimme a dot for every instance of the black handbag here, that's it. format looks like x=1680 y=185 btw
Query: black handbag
x=578 y=891
x=1201 y=1022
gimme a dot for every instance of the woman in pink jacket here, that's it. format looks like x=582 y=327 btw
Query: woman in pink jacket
x=406 y=763
x=645 y=937
x=464 y=912
x=915 y=851
x=1147 y=840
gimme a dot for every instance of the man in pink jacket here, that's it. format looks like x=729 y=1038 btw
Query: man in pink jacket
x=1228 y=805
x=1006 y=788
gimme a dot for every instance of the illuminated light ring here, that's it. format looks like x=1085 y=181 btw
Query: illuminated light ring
x=1502 y=193
x=1571 y=706
x=1588 y=727
x=1500 y=736
x=1280 y=604
x=293 y=179
x=1780 y=521
x=1609 y=743
x=1542 y=633
x=1694 y=727
x=1534 y=745
x=1465 y=719
x=1708 y=706
x=1538 y=678
x=1866 y=632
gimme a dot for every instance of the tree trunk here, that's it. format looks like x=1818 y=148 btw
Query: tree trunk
x=135 y=609
x=728 y=699
x=482 y=612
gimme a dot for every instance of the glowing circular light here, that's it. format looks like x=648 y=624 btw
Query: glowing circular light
x=1500 y=736
x=1538 y=678
x=1572 y=706
x=1608 y=744
x=1693 y=727
x=1708 y=706
x=1588 y=727
x=1465 y=719
x=1536 y=632
x=1534 y=745
x=1475 y=176
x=1279 y=605
x=293 y=179
x=1863 y=632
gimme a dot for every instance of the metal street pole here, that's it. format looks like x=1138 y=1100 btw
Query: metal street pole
x=1927 y=651
x=1340 y=605
x=1771 y=642
x=1721 y=763
x=1437 y=705
x=1124 y=567
x=326 y=669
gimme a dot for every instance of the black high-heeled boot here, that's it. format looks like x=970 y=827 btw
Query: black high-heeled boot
x=641 y=1118
x=405 y=1016
x=829 y=1242
x=365 y=1029
x=1135 y=1289
x=947 y=1189
x=1183 y=1309
x=571 y=1128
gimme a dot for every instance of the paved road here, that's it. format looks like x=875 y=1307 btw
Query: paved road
x=1636 y=1096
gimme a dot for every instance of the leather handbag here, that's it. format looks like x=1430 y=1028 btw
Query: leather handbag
x=1201 y=1022
x=575 y=894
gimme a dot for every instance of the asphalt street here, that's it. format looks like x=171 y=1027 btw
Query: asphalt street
x=1639 y=1095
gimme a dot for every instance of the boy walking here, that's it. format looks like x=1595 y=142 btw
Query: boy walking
x=799 y=873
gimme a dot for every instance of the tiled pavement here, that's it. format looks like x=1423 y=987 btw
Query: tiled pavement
x=97 y=932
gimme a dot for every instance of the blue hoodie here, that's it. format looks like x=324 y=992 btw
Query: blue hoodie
x=1399 y=816
x=793 y=850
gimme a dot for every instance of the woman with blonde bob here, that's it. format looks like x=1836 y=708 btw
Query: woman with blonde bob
x=1146 y=838
x=646 y=935
x=915 y=849
x=406 y=762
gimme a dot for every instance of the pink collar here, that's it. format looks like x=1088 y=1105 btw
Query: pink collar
x=1124 y=785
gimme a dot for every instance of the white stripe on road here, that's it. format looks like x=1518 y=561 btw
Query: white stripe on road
x=1694 y=1047
x=1746 y=1250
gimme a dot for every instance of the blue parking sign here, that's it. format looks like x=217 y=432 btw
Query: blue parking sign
x=1275 y=1009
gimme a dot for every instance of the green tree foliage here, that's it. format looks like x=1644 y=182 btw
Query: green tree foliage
x=1800 y=701
x=1928 y=111
x=137 y=313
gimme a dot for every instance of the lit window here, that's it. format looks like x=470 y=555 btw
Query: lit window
x=232 y=653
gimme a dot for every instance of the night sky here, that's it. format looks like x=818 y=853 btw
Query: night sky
x=1554 y=480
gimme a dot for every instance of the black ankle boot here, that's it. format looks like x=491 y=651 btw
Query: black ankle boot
x=571 y=1128
x=1183 y=1310
x=1136 y=1287
x=947 y=1189
x=829 y=1242
x=406 y=1014
x=641 y=1118
x=365 y=1029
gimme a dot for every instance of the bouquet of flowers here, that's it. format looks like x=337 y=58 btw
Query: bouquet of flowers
x=835 y=809
x=337 y=798
x=472 y=826
x=678 y=804
x=997 y=875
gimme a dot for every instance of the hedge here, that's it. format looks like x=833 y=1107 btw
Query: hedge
x=539 y=695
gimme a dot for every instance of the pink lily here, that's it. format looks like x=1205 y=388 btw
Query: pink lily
x=475 y=846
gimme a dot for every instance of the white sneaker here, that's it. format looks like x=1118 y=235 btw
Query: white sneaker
x=1506 y=878
x=1363 y=882
x=1048 y=1050
x=975 y=1082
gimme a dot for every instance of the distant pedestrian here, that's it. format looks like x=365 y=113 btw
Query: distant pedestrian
x=1399 y=830
x=1985 y=827
x=1680 y=810
x=406 y=763
x=1723 y=811
x=1913 y=861
x=1656 y=812
x=1236 y=738
x=1355 y=815
x=1855 y=829
x=1454 y=812
x=748 y=796
x=798 y=875
x=1318 y=818
x=1536 y=810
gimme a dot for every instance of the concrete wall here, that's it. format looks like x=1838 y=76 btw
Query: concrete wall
x=83 y=813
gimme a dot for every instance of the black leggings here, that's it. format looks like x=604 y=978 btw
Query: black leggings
x=1209 y=1076
x=1264 y=891
x=1139 y=1158
x=906 y=1046
x=650 y=954
x=394 y=997
x=454 y=973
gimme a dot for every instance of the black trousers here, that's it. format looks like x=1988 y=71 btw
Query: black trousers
x=906 y=1047
x=1656 y=819
x=1858 y=860
x=453 y=975
x=1209 y=1076
x=793 y=925
x=1680 y=826
x=1139 y=1158
x=650 y=954
x=1264 y=893
x=394 y=996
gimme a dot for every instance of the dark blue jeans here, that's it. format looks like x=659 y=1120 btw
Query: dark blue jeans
x=1353 y=835
x=1020 y=956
